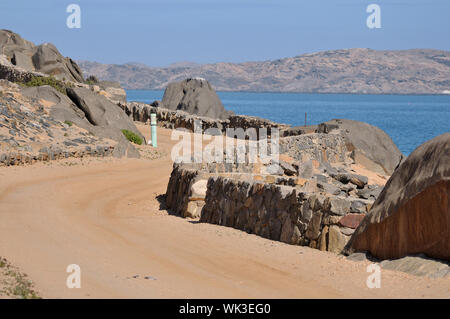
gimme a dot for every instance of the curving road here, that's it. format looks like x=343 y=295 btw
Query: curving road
x=104 y=215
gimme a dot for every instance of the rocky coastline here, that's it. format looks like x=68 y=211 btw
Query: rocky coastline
x=326 y=190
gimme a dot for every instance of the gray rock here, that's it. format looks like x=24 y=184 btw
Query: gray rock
x=305 y=170
x=274 y=169
x=313 y=230
x=287 y=168
x=336 y=239
x=22 y=60
x=347 y=231
x=337 y=206
x=412 y=213
x=357 y=257
x=125 y=149
x=195 y=96
x=44 y=58
x=329 y=188
x=102 y=118
x=418 y=265
x=368 y=193
x=372 y=147
x=321 y=178
x=359 y=180
x=358 y=206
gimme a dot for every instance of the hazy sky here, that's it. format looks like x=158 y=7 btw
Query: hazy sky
x=161 y=32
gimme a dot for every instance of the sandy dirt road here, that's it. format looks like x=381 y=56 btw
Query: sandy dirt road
x=104 y=215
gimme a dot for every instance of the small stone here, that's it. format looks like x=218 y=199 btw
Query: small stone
x=306 y=170
x=347 y=231
x=321 y=178
x=300 y=181
x=358 y=207
x=287 y=168
x=323 y=239
x=359 y=180
x=274 y=169
x=329 y=188
x=270 y=179
x=313 y=230
x=337 y=205
x=351 y=220
x=336 y=240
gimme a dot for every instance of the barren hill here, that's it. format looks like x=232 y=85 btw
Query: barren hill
x=420 y=71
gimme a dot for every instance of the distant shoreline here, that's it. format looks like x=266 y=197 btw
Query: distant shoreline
x=310 y=93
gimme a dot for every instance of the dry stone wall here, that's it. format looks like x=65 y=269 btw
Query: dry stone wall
x=179 y=119
x=13 y=158
x=276 y=207
x=321 y=147
x=283 y=213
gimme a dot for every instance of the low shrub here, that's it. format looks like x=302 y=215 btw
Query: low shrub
x=40 y=81
x=92 y=79
x=132 y=137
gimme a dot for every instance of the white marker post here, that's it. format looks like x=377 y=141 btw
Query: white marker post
x=154 y=142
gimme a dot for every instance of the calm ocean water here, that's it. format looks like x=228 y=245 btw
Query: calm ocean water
x=410 y=120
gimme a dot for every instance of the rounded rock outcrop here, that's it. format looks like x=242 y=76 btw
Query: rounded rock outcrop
x=194 y=96
x=370 y=146
x=412 y=213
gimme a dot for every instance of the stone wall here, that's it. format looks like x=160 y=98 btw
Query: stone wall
x=179 y=119
x=321 y=147
x=186 y=190
x=276 y=207
x=12 y=158
x=12 y=73
x=282 y=213
x=179 y=190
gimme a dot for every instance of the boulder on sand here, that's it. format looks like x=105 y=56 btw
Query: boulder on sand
x=371 y=146
x=194 y=96
x=412 y=213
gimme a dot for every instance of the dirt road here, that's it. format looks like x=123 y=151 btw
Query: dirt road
x=104 y=216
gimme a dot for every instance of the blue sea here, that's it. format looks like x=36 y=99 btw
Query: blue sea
x=410 y=120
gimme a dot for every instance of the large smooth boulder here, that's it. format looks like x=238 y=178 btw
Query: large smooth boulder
x=100 y=111
x=370 y=146
x=412 y=213
x=11 y=42
x=48 y=60
x=44 y=58
x=194 y=96
x=64 y=109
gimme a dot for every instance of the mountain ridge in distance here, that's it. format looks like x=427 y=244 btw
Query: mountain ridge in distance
x=359 y=71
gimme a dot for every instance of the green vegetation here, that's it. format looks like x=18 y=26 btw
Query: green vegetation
x=40 y=81
x=14 y=283
x=132 y=137
x=69 y=123
x=91 y=80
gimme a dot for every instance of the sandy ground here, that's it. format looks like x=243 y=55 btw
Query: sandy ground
x=104 y=215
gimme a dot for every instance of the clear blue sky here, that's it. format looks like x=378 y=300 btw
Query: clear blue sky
x=160 y=32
